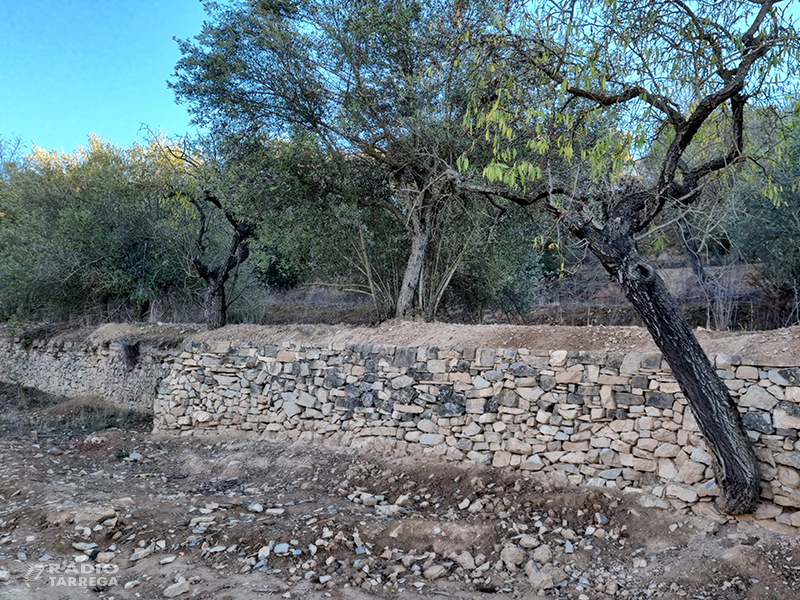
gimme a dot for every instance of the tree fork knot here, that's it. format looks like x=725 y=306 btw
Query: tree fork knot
x=641 y=271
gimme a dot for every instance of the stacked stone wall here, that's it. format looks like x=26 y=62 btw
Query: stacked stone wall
x=590 y=418
x=601 y=419
x=125 y=374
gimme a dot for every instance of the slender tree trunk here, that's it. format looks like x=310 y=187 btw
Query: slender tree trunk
x=416 y=260
x=216 y=312
x=735 y=463
x=693 y=253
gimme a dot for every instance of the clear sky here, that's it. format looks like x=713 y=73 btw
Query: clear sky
x=69 y=68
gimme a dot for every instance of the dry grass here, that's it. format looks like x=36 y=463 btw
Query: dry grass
x=27 y=411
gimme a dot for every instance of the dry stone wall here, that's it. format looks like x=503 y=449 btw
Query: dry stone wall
x=590 y=418
x=126 y=374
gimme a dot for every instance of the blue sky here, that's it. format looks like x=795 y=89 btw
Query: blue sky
x=73 y=67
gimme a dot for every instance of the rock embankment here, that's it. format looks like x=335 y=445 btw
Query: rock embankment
x=603 y=419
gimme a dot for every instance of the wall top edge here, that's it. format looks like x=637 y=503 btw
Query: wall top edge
x=272 y=347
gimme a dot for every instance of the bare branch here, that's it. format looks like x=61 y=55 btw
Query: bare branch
x=748 y=39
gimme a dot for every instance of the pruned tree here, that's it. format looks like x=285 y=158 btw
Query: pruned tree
x=677 y=78
x=225 y=183
x=215 y=304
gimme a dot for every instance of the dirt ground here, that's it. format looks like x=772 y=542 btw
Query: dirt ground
x=778 y=347
x=239 y=518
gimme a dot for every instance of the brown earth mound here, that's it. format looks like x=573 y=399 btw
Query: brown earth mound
x=779 y=347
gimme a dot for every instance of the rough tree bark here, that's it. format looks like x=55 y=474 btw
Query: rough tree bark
x=215 y=312
x=735 y=463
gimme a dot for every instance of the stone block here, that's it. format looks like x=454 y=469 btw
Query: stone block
x=431 y=439
x=286 y=356
x=642 y=464
x=472 y=429
x=625 y=399
x=787 y=498
x=508 y=398
x=574 y=458
x=306 y=400
x=558 y=358
x=747 y=372
x=667 y=469
x=401 y=381
x=480 y=383
x=651 y=362
x=521 y=369
x=475 y=405
x=437 y=366
x=427 y=426
x=789 y=477
x=569 y=377
x=785 y=377
x=450 y=409
x=726 y=361
x=533 y=463
x=405 y=356
x=681 y=493
x=790 y=459
x=413 y=436
x=757 y=397
x=547 y=382
x=516 y=446
x=630 y=364
x=758 y=420
x=610 y=473
x=501 y=459
x=786 y=416
x=667 y=451
x=485 y=357
x=659 y=400
x=291 y=409
x=692 y=472
x=201 y=416
x=531 y=394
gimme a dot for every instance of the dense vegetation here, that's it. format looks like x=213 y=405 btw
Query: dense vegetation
x=351 y=146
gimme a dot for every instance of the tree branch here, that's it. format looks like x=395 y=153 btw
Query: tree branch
x=511 y=195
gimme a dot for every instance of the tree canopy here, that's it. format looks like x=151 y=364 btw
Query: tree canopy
x=381 y=82
x=88 y=231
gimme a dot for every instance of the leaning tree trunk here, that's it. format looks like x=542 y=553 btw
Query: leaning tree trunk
x=215 y=311
x=735 y=463
x=416 y=259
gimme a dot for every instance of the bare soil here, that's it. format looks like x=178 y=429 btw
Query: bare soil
x=778 y=347
x=356 y=526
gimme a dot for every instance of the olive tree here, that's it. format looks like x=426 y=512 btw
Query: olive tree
x=677 y=77
x=88 y=231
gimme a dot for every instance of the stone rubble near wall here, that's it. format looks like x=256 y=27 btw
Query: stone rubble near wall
x=83 y=369
x=590 y=418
